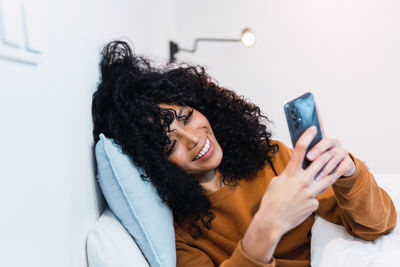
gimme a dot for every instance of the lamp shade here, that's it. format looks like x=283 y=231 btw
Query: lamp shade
x=248 y=38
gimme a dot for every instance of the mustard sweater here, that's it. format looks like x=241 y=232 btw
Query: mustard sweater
x=355 y=202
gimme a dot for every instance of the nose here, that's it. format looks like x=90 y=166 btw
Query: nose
x=190 y=139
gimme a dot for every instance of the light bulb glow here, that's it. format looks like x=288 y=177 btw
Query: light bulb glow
x=248 y=38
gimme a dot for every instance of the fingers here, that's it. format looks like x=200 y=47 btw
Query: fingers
x=339 y=166
x=346 y=167
x=341 y=154
x=321 y=185
x=318 y=164
x=334 y=164
x=322 y=146
x=301 y=146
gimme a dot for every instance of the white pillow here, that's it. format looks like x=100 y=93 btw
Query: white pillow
x=332 y=246
x=109 y=244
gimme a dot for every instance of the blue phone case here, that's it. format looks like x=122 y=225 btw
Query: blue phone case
x=301 y=114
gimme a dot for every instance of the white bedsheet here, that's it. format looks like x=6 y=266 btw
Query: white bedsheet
x=332 y=246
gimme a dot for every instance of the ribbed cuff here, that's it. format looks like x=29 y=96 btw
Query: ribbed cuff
x=240 y=258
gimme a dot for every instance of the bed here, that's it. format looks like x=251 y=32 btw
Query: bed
x=331 y=246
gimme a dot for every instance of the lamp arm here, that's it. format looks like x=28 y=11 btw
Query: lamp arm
x=174 y=48
x=197 y=40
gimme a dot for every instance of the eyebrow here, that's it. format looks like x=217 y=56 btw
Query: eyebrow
x=181 y=108
x=180 y=111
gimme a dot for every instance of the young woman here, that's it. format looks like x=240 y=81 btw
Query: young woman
x=238 y=197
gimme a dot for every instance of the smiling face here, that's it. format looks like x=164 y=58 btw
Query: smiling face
x=193 y=147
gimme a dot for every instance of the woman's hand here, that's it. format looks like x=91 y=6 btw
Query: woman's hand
x=291 y=196
x=340 y=165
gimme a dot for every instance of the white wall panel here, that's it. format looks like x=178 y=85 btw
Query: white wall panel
x=48 y=197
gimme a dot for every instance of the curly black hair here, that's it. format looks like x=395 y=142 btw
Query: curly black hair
x=125 y=108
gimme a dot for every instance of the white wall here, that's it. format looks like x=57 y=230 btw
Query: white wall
x=345 y=52
x=47 y=193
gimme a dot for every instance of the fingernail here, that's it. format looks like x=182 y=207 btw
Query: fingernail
x=311 y=155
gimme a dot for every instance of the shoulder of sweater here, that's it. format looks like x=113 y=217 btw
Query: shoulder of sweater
x=181 y=235
x=283 y=149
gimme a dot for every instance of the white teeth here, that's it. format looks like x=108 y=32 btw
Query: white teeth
x=204 y=150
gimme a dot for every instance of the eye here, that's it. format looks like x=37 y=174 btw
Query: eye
x=171 y=149
x=188 y=117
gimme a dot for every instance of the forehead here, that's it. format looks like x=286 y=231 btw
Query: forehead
x=178 y=110
x=170 y=106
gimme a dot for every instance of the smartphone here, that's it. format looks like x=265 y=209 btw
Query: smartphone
x=301 y=114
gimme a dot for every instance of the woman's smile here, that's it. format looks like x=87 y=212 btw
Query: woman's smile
x=206 y=151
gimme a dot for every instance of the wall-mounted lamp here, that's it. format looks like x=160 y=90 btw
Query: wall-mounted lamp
x=247 y=39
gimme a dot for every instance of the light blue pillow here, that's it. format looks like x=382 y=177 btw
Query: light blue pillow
x=136 y=204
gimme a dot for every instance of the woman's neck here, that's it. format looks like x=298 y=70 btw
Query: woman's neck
x=211 y=181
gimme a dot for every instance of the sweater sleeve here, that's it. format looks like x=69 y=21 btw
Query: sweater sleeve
x=359 y=204
x=187 y=255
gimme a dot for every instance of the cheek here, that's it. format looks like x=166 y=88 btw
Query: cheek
x=178 y=158
x=220 y=154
